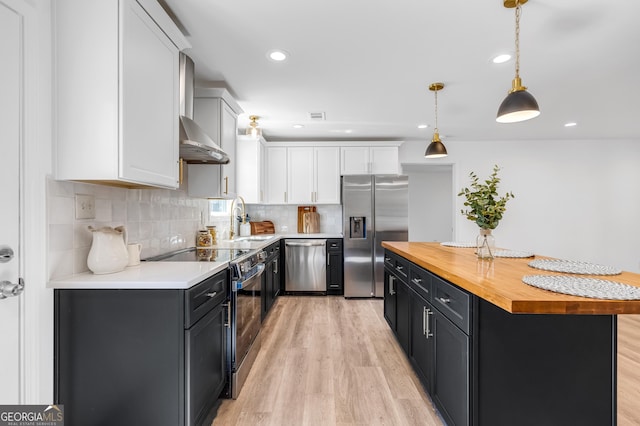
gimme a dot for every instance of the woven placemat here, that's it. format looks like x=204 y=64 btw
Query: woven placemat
x=573 y=267
x=512 y=253
x=586 y=287
x=458 y=244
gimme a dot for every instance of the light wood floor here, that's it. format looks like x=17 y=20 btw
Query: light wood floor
x=331 y=361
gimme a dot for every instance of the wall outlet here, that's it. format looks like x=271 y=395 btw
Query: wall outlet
x=85 y=206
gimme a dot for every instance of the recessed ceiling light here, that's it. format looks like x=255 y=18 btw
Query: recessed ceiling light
x=501 y=59
x=298 y=126
x=277 y=55
x=571 y=124
x=422 y=126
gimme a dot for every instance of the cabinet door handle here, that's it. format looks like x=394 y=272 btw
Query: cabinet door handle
x=226 y=184
x=275 y=266
x=212 y=294
x=285 y=196
x=328 y=260
x=428 y=327
x=180 y=171
x=392 y=285
x=227 y=306
x=424 y=320
x=444 y=300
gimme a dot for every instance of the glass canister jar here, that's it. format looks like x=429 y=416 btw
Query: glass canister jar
x=203 y=239
x=212 y=231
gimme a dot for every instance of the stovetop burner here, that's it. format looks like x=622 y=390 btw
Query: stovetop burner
x=197 y=254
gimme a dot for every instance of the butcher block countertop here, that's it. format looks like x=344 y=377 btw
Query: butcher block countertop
x=499 y=281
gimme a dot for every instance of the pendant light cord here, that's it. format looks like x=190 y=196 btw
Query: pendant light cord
x=518 y=13
x=436 y=93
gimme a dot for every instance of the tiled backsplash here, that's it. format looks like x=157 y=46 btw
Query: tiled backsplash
x=285 y=217
x=161 y=220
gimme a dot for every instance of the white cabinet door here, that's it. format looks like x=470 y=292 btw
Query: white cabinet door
x=355 y=160
x=276 y=174
x=300 y=175
x=384 y=160
x=327 y=175
x=150 y=99
x=250 y=169
x=228 y=131
x=116 y=86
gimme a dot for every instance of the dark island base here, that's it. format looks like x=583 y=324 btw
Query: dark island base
x=544 y=369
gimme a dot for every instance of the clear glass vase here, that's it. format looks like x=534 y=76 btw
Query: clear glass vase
x=485 y=244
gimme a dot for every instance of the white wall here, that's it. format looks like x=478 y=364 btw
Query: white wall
x=430 y=202
x=577 y=200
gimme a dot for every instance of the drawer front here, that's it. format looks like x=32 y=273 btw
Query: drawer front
x=397 y=265
x=204 y=296
x=334 y=244
x=420 y=281
x=455 y=304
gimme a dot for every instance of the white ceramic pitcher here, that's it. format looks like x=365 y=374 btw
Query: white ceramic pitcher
x=108 y=252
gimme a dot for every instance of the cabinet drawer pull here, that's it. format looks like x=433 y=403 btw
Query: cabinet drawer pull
x=417 y=280
x=213 y=294
x=399 y=268
x=444 y=300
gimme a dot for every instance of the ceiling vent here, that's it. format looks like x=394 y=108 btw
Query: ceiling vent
x=317 y=116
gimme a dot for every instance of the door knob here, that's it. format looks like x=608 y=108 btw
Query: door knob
x=6 y=254
x=9 y=289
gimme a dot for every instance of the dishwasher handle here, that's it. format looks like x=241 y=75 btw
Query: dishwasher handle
x=305 y=243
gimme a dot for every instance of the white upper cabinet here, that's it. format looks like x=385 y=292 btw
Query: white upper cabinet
x=116 y=92
x=250 y=169
x=217 y=113
x=303 y=175
x=327 y=175
x=369 y=160
x=276 y=174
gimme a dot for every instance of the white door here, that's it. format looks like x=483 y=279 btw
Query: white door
x=11 y=133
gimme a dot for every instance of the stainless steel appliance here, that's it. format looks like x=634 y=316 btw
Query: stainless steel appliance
x=306 y=265
x=244 y=306
x=374 y=209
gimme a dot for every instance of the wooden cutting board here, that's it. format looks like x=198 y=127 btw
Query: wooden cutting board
x=301 y=211
x=264 y=227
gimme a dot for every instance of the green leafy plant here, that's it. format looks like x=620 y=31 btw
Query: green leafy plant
x=484 y=206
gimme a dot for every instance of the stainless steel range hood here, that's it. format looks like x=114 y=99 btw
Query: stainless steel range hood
x=195 y=145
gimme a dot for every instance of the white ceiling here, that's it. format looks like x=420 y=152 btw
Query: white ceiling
x=368 y=65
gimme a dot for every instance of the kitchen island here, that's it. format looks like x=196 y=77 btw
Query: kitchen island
x=491 y=350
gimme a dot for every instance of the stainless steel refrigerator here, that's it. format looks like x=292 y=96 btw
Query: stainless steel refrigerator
x=374 y=210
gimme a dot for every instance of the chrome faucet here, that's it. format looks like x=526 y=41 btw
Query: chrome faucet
x=232 y=225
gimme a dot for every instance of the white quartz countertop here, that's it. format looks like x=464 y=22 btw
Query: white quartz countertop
x=148 y=275
x=169 y=275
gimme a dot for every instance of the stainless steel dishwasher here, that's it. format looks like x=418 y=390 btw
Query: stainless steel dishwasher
x=306 y=265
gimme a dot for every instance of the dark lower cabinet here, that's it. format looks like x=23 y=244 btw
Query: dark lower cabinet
x=402 y=315
x=421 y=341
x=335 y=267
x=390 y=297
x=141 y=357
x=450 y=388
x=270 y=279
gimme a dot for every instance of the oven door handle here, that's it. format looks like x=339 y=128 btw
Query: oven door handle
x=240 y=285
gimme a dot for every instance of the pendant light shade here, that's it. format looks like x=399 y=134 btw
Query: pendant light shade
x=519 y=105
x=436 y=148
x=253 y=130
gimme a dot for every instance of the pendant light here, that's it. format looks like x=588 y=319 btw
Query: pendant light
x=519 y=105
x=436 y=148
x=253 y=130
